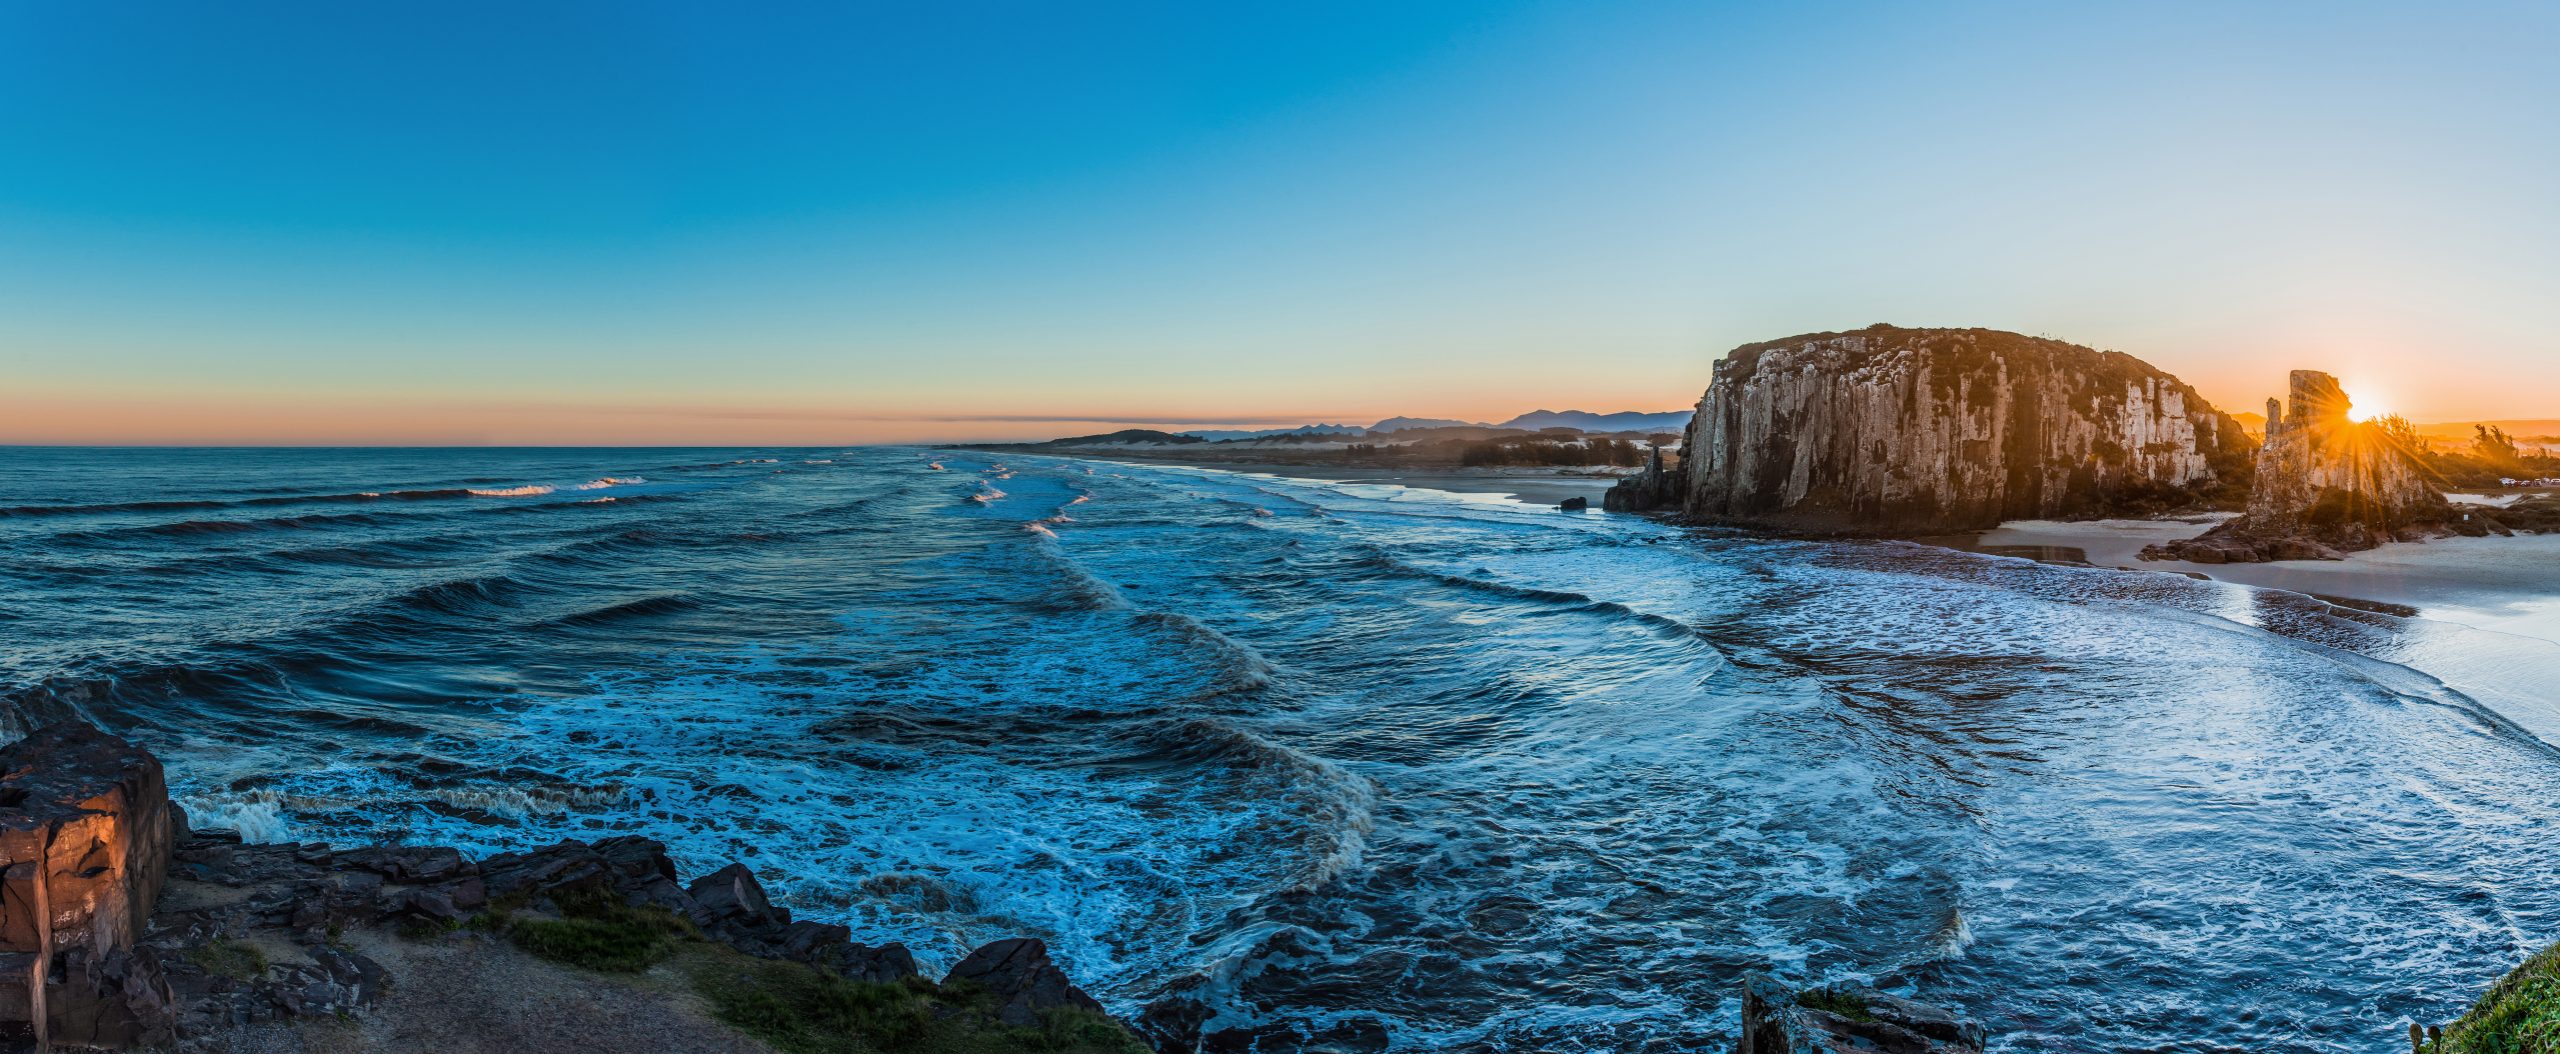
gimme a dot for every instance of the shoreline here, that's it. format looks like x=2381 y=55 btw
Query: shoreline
x=1530 y=484
x=2503 y=585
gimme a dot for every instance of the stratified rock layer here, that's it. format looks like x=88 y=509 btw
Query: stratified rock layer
x=2325 y=485
x=1889 y=431
x=85 y=831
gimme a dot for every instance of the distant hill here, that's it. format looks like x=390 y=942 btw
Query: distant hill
x=1128 y=437
x=1220 y=435
x=1585 y=420
x=1399 y=424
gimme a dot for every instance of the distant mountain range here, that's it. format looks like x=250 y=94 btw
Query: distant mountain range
x=1220 y=435
x=1583 y=420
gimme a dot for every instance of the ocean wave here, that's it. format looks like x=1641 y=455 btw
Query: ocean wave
x=108 y=507
x=1241 y=667
x=602 y=482
x=1338 y=818
x=525 y=491
x=459 y=596
x=637 y=607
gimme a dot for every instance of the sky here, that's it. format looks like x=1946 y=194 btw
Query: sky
x=634 y=222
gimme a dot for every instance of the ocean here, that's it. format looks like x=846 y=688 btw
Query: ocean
x=1360 y=766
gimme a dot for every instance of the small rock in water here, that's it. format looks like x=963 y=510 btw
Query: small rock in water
x=1845 y=1018
x=1574 y=504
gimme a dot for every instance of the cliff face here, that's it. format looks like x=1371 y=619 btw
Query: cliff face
x=2325 y=485
x=1888 y=430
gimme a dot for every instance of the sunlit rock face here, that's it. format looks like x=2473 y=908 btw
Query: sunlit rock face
x=2325 y=486
x=85 y=832
x=1888 y=430
x=2318 y=450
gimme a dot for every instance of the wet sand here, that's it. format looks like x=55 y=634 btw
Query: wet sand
x=2508 y=585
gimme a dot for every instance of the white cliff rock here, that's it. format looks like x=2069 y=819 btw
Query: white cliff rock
x=1888 y=430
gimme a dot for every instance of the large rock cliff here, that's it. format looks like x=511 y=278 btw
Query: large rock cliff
x=1888 y=430
x=2326 y=485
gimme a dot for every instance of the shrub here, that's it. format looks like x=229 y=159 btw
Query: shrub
x=598 y=932
x=803 y=1011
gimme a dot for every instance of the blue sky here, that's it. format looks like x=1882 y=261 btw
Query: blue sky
x=636 y=222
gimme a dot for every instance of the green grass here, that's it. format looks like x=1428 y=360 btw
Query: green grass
x=229 y=958
x=595 y=932
x=2519 y=1015
x=1835 y=1002
x=796 y=1008
x=800 y=1010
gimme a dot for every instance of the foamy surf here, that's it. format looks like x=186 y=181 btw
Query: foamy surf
x=1387 y=768
x=526 y=491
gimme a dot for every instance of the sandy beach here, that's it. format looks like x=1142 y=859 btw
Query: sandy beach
x=2509 y=585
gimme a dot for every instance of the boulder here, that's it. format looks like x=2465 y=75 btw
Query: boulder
x=1023 y=981
x=1841 y=1019
x=731 y=896
x=1574 y=504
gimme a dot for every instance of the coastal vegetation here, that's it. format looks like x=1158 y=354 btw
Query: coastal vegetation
x=801 y=1010
x=2484 y=462
x=2519 y=1015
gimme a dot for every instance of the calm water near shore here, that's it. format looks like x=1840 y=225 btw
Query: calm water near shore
x=1379 y=765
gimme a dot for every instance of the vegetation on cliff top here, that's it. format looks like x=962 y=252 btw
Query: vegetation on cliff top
x=2519 y=1015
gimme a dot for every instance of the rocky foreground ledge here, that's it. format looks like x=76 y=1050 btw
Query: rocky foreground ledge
x=122 y=929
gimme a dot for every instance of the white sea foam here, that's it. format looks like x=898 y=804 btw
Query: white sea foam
x=257 y=816
x=526 y=491
x=611 y=481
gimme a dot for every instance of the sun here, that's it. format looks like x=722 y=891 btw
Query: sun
x=2366 y=404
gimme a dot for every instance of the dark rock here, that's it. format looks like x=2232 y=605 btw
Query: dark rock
x=1173 y=1024
x=119 y=999
x=1574 y=504
x=548 y=871
x=1775 y=1021
x=1024 y=982
x=732 y=896
x=884 y=964
x=409 y=864
x=1656 y=486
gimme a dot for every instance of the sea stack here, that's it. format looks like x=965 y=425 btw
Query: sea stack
x=2326 y=486
x=1888 y=430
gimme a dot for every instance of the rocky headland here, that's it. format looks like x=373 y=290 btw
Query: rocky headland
x=1894 y=431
